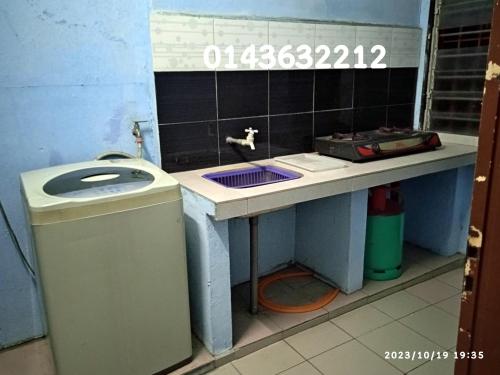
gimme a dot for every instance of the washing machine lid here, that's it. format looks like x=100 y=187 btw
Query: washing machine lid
x=96 y=187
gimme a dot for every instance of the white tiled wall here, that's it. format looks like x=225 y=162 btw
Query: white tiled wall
x=332 y=35
x=405 y=51
x=179 y=41
x=293 y=33
x=240 y=34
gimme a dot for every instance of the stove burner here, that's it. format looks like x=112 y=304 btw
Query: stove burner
x=394 y=130
x=350 y=136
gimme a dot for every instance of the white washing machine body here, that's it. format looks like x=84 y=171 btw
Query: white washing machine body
x=110 y=246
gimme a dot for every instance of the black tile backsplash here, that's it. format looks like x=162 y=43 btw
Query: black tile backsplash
x=185 y=96
x=402 y=85
x=242 y=94
x=369 y=118
x=333 y=89
x=231 y=153
x=189 y=145
x=290 y=91
x=400 y=116
x=291 y=134
x=371 y=87
x=329 y=122
x=198 y=110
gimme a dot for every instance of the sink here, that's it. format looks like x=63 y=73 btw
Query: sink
x=252 y=176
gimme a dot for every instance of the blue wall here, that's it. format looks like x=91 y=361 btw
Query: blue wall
x=389 y=12
x=73 y=77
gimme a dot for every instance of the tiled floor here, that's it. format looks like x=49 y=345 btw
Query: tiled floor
x=359 y=325
x=420 y=318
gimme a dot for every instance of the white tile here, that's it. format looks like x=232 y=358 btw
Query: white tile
x=400 y=304
x=178 y=42
x=435 y=324
x=225 y=370
x=291 y=33
x=318 y=339
x=362 y=320
x=369 y=36
x=410 y=271
x=451 y=305
x=304 y=368
x=433 y=291
x=240 y=34
x=249 y=328
x=436 y=367
x=269 y=361
x=453 y=278
x=334 y=35
x=395 y=337
x=343 y=299
x=352 y=358
x=405 y=49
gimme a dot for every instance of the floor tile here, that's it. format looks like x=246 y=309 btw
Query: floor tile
x=436 y=367
x=399 y=304
x=344 y=299
x=433 y=291
x=248 y=328
x=269 y=361
x=426 y=257
x=451 y=305
x=362 y=320
x=397 y=337
x=453 y=278
x=318 y=339
x=33 y=358
x=352 y=358
x=225 y=370
x=435 y=324
x=304 y=368
x=285 y=321
x=410 y=271
x=201 y=357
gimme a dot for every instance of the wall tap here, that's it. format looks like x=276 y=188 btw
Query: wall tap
x=136 y=132
x=248 y=141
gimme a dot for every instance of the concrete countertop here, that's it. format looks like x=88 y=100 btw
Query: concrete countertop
x=224 y=203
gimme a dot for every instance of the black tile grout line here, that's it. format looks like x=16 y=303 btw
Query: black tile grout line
x=268 y=112
x=217 y=118
x=352 y=100
x=388 y=98
x=285 y=114
x=313 y=102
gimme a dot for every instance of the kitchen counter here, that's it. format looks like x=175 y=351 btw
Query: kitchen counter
x=321 y=218
x=224 y=203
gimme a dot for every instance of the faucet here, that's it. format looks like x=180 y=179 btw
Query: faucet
x=244 y=142
x=136 y=132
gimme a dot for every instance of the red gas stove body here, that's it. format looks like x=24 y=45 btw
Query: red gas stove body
x=376 y=144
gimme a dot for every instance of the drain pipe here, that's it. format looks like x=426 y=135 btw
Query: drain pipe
x=254 y=264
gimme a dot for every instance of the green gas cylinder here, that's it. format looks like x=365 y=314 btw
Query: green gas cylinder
x=384 y=233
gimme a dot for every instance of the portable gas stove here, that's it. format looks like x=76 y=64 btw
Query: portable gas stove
x=376 y=144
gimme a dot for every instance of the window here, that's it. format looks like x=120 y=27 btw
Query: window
x=457 y=65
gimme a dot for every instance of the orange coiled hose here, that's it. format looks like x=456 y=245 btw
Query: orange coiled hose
x=319 y=303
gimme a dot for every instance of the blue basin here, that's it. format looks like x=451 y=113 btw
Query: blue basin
x=252 y=176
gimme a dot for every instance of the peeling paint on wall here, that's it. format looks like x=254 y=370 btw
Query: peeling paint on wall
x=475 y=237
x=493 y=71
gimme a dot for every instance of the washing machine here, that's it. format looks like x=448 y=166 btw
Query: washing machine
x=110 y=249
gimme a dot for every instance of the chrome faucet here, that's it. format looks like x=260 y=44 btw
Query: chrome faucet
x=248 y=141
